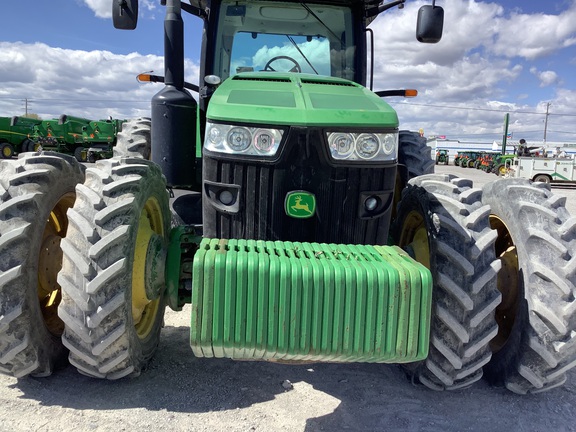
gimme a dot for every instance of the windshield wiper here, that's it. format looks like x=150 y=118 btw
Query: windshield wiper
x=301 y=53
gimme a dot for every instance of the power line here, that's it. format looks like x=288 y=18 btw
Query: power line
x=465 y=108
x=79 y=100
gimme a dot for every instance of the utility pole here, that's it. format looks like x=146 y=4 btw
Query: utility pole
x=25 y=107
x=546 y=121
x=505 y=135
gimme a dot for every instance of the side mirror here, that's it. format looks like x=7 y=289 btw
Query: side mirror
x=125 y=14
x=430 y=24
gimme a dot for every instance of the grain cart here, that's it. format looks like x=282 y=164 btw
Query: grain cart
x=62 y=135
x=15 y=133
x=306 y=226
x=99 y=138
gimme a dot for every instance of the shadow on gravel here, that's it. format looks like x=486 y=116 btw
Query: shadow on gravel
x=366 y=397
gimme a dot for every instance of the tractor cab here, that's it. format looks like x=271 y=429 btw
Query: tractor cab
x=318 y=39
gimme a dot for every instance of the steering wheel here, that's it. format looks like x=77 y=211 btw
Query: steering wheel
x=296 y=67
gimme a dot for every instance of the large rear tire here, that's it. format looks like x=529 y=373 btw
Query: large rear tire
x=414 y=159
x=415 y=154
x=536 y=342
x=443 y=225
x=112 y=305
x=134 y=139
x=35 y=193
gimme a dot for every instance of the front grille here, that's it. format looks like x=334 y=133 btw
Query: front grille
x=263 y=189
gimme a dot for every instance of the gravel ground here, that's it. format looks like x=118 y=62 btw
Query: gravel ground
x=182 y=393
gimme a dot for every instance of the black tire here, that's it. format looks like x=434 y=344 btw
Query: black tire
x=121 y=200
x=543 y=178
x=414 y=154
x=78 y=154
x=414 y=159
x=443 y=224
x=536 y=343
x=501 y=170
x=6 y=151
x=134 y=139
x=27 y=145
x=35 y=192
x=92 y=157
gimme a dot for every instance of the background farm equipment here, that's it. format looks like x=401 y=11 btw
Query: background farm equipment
x=87 y=140
x=15 y=133
x=442 y=157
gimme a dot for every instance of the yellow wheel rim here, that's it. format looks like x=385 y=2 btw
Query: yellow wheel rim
x=50 y=263
x=6 y=152
x=508 y=283
x=144 y=310
x=414 y=237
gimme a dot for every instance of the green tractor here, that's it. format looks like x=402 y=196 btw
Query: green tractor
x=442 y=156
x=501 y=164
x=304 y=225
x=15 y=135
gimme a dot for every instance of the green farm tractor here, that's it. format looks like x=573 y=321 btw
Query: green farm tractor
x=442 y=156
x=15 y=135
x=291 y=214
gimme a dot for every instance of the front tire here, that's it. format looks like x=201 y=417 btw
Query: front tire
x=443 y=225
x=35 y=193
x=111 y=306
x=536 y=343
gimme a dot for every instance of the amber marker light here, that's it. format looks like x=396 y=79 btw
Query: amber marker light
x=144 y=77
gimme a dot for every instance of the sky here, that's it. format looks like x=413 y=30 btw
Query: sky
x=513 y=56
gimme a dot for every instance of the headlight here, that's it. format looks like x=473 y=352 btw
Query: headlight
x=231 y=139
x=341 y=145
x=363 y=146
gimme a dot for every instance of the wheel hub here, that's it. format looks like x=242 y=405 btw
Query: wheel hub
x=148 y=270
x=508 y=284
x=414 y=238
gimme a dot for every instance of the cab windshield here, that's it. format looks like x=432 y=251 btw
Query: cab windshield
x=284 y=37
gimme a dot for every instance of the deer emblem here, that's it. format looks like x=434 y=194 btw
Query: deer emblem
x=299 y=206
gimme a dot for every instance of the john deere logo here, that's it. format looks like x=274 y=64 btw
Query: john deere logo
x=300 y=204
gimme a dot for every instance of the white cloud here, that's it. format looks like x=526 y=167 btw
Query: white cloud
x=103 y=8
x=483 y=53
x=535 y=35
x=92 y=84
x=547 y=78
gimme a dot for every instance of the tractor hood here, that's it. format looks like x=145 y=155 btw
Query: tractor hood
x=298 y=99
